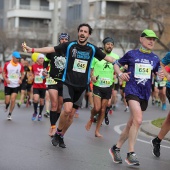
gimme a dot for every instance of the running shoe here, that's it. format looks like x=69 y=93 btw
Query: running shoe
x=126 y=110
x=106 y=119
x=159 y=104
x=47 y=115
x=55 y=139
x=153 y=102
x=18 y=105
x=34 y=116
x=39 y=117
x=155 y=148
x=9 y=117
x=132 y=159
x=114 y=108
x=115 y=154
x=110 y=111
x=61 y=142
x=164 y=106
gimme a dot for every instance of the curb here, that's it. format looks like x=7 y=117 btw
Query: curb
x=149 y=129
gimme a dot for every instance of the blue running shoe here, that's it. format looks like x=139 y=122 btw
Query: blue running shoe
x=164 y=106
x=39 y=117
x=34 y=116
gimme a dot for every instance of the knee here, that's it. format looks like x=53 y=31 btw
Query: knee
x=96 y=108
x=137 y=121
x=53 y=106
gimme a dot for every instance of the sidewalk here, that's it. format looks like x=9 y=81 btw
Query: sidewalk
x=152 y=130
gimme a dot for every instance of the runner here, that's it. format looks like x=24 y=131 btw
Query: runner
x=25 y=87
x=102 y=77
x=13 y=74
x=57 y=65
x=156 y=142
x=39 y=87
x=79 y=55
x=141 y=63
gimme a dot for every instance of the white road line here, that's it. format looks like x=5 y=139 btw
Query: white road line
x=117 y=129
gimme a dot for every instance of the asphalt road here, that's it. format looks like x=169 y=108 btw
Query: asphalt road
x=25 y=145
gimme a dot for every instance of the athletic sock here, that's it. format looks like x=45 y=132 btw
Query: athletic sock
x=41 y=109
x=35 y=107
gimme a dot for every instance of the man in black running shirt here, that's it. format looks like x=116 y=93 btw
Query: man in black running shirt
x=76 y=77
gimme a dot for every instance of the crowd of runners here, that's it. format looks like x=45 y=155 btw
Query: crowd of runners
x=60 y=77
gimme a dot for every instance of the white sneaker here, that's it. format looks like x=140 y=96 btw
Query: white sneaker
x=126 y=110
x=9 y=117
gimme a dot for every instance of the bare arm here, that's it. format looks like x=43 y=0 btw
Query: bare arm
x=38 y=50
x=93 y=78
x=4 y=77
x=123 y=76
x=109 y=59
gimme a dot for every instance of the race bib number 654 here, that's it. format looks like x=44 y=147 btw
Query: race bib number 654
x=143 y=70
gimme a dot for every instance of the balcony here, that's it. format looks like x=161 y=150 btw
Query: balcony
x=29 y=33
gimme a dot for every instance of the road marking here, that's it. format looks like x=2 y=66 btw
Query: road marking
x=117 y=129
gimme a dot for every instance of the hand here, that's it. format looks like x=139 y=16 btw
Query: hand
x=94 y=78
x=26 y=48
x=20 y=81
x=7 y=81
x=160 y=74
x=125 y=76
x=45 y=73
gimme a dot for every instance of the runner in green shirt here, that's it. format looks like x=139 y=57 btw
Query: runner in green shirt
x=102 y=74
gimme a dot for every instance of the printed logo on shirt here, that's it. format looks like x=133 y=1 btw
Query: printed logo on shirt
x=74 y=52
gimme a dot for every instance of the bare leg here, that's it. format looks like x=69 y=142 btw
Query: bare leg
x=165 y=127
x=101 y=117
x=94 y=111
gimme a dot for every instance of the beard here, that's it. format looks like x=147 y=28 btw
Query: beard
x=82 y=42
x=108 y=50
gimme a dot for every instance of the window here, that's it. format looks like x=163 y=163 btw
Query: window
x=91 y=11
x=24 y=2
x=112 y=8
x=44 y=3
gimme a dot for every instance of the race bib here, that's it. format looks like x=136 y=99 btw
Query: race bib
x=79 y=66
x=162 y=83
x=13 y=77
x=50 y=81
x=38 y=79
x=116 y=81
x=104 y=82
x=143 y=70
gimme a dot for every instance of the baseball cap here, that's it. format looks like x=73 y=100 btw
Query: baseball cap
x=149 y=33
x=16 y=54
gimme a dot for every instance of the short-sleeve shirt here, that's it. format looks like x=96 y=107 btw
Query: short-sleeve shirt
x=166 y=61
x=13 y=74
x=104 y=71
x=141 y=65
x=57 y=65
x=39 y=82
x=78 y=62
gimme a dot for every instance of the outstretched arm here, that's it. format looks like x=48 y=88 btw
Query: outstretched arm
x=38 y=50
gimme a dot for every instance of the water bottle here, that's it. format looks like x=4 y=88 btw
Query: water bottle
x=157 y=77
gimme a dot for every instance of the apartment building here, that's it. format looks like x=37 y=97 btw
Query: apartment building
x=28 y=20
x=121 y=19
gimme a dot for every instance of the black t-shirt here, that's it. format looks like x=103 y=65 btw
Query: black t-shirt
x=26 y=69
x=78 y=62
x=57 y=64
